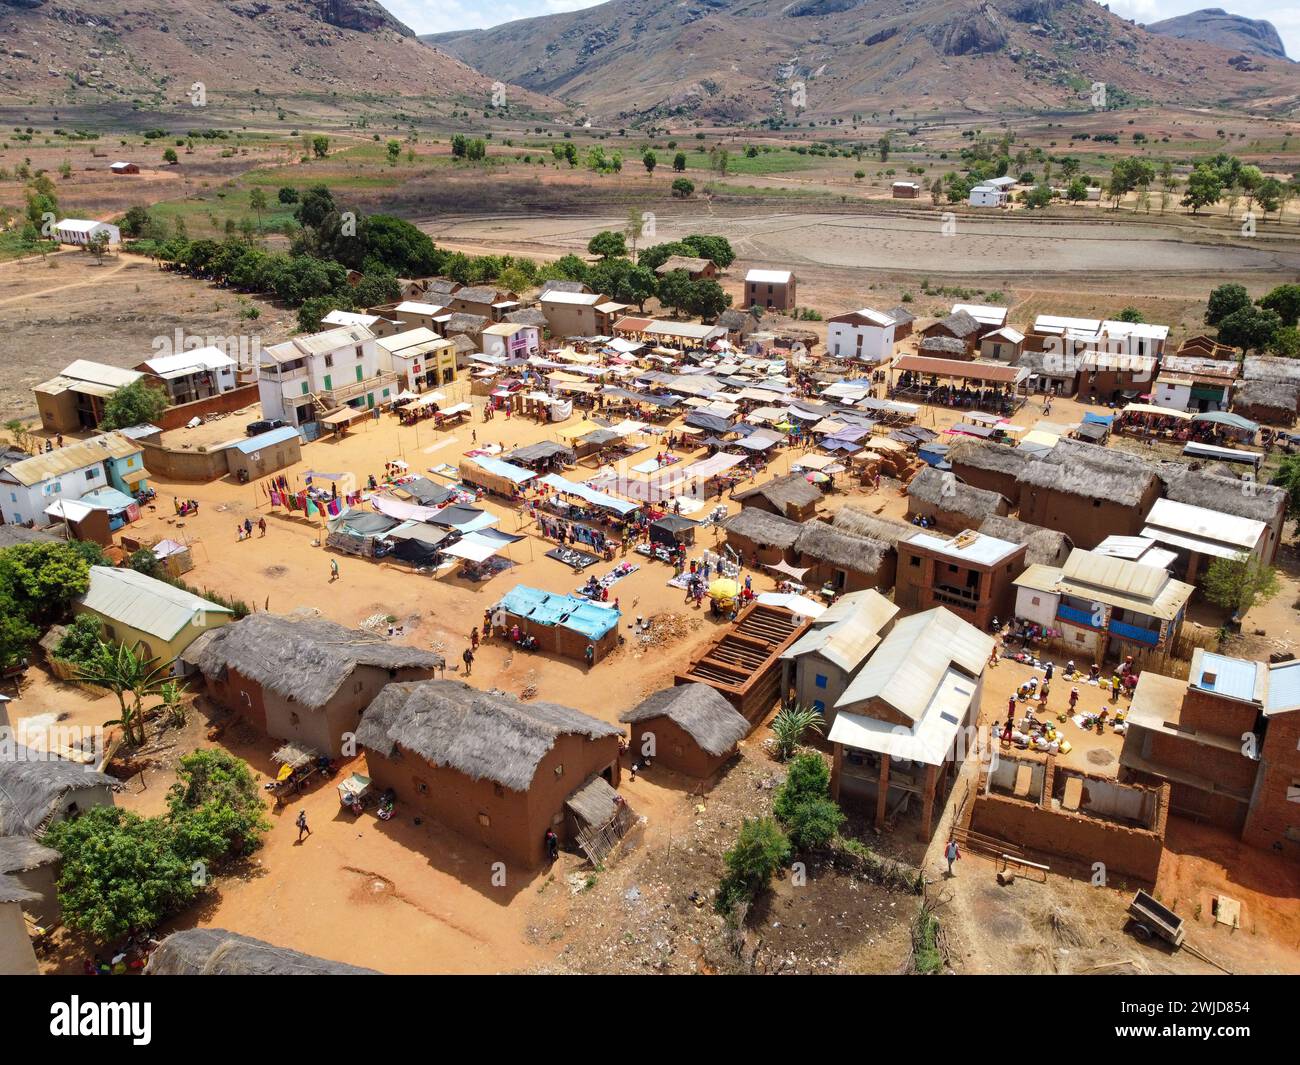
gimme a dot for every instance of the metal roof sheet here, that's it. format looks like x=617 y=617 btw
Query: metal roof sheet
x=146 y=604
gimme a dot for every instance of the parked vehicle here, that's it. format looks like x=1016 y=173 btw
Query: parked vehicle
x=264 y=426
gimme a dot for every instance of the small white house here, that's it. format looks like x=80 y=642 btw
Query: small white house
x=864 y=334
x=197 y=373
x=81 y=230
x=301 y=379
x=987 y=196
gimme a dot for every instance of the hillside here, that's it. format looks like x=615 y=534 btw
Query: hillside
x=148 y=53
x=736 y=60
x=1215 y=26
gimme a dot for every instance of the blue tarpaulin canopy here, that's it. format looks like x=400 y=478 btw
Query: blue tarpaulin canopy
x=596 y=499
x=1099 y=419
x=1223 y=417
x=567 y=611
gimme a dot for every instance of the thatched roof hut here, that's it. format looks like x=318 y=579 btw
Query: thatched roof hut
x=1227 y=495
x=306 y=658
x=793 y=492
x=1045 y=547
x=819 y=542
x=1270 y=368
x=860 y=522
x=763 y=528
x=943 y=347
x=216 y=952
x=941 y=492
x=485 y=735
x=961 y=324
x=700 y=711
x=1091 y=471
x=1268 y=399
x=12 y=891
x=528 y=316
x=989 y=456
x=33 y=784
x=22 y=854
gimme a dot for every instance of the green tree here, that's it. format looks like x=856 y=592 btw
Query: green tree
x=708 y=299
x=1251 y=328
x=1285 y=342
x=1239 y=583
x=138 y=403
x=760 y=850
x=707 y=246
x=39 y=581
x=649 y=160
x=257 y=201
x=679 y=162
x=676 y=289
x=287 y=195
x=1224 y=300
x=394 y=151
x=607 y=243
x=81 y=641
x=1204 y=188
x=320 y=146
x=119 y=871
x=215 y=806
x=1130 y=314
x=1285 y=300
x=170 y=157
x=136 y=221
x=683 y=188
x=130 y=677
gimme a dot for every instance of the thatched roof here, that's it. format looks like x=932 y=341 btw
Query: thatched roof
x=1227 y=495
x=793 y=489
x=1270 y=368
x=1091 y=471
x=860 y=522
x=986 y=455
x=699 y=711
x=484 y=735
x=1045 y=547
x=307 y=658
x=20 y=854
x=1271 y=394
x=941 y=489
x=595 y=802
x=1051 y=363
x=528 y=316
x=943 y=345
x=763 y=528
x=34 y=783
x=12 y=891
x=465 y=323
x=826 y=543
x=959 y=324
x=560 y=285
x=216 y=952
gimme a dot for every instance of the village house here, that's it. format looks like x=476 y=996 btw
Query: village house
x=688 y=728
x=972 y=574
x=35 y=868
x=1197 y=536
x=791 y=496
x=843 y=561
x=191 y=375
x=122 y=168
x=817 y=668
x=986 y=195
x=940 y=347
x=1194 y=384
x=698 y=269
x=864 y=334
x=1045 y=547
x=17 y=955
x=485 y=301
x=154 y=618
x=256 y=457
x=309 y=378
x=1051 y=372
x=1102 y=606
x=1207 y=347
x=1004 y=343
x=38 y=789
x=509 y=340
x=1088 y=492
x=1270 y=390
x=904 y=321
x=419 y=357
x=773 y=290
x=81 y=231
x=217 y=952
x=414 y=314
x=561 y=285
x=74 y=400
x=905 y=190
x=1193 y=733
x=990 y=466
x=760 y=537
x=989 y=317
x=1108 y=377
x=30 y=486
x=305 y=680
x=906 y=721
x=572 y=314
x=937 y=495
x=464 y=324
x=1229 y=495
x=499 y=771
x=959 y=325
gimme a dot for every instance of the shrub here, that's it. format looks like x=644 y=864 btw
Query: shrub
x=760 y=850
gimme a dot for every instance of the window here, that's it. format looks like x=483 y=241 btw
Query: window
x=329 y=360
x=820 y=681
x=819 y=706
x=498 y=791
x=421 y=787
x=914 y=560
x=1096 y=502
x=484 y=820
x=1035 y=600
x=559 y=770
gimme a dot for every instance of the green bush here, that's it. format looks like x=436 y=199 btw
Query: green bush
x=81 y=642
x=760 y=850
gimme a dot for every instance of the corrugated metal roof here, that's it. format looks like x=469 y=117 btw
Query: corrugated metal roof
x=847 y=632
x=909 y=665
x=269 y=439
x=73 y=457
x=98 y=373
x=146 y=604
x=1283 y=687
x=927 y=742
x=1200 y=523
x=1234 y=678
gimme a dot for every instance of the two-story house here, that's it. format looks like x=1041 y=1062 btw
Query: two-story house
x=303 y=379
x=29 y=486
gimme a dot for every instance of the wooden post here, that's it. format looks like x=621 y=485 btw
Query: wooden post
x=882 y=790
x=927 y=807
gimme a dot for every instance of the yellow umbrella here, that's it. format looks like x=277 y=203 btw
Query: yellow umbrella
x=724 y=588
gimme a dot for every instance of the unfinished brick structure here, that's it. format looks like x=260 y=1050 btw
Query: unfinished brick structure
x=1049 y=810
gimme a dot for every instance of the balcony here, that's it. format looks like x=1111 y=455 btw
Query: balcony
x=338 y=397
x=1136 y=633
x=1075 y=616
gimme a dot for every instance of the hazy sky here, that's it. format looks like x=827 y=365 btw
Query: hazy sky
x=435 y=16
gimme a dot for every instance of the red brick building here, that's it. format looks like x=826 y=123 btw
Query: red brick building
x=971 y=574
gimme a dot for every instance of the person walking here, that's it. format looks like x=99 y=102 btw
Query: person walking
x=248 y=528
x=590 y=655
x=1051 y=668
x=468 y=658
x=473 y=638
x=302 y=825
x=261 y=526
x=951 y=853
x=334 y=570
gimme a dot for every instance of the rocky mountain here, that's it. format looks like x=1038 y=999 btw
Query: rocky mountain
x=149 y=52
x=1215 y=26
x=743 y=59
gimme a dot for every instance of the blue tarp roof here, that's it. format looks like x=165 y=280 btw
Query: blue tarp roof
x=596 y=499
x=1099 y=419
x=567 y=611
x=107 y=499
x=275 y=436
x=501 y=468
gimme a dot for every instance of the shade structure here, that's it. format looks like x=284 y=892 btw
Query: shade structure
x=724 y=588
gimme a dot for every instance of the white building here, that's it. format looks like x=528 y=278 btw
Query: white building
x=195 y=374
x=419 y=357
x=30 y=485
x=81 y=230
x=511 y=340
x=987 y=196
x=863 y=334
x=303 y=379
